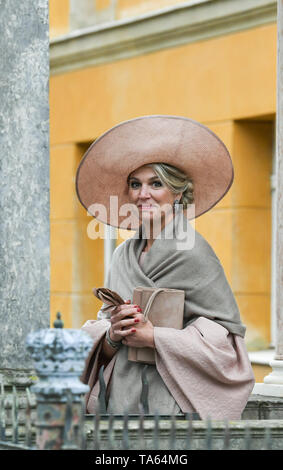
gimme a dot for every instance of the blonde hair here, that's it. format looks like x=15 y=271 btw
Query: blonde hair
x=176 y=180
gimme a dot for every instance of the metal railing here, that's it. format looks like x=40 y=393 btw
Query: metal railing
x=15 y=428
x=51 y=414
x=102 y=431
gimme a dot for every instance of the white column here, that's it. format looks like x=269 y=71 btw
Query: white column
x=109 y=247
x=273 y=383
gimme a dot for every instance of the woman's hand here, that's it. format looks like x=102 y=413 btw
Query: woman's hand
x=124 y=316
x=141 y=335
x=129 y=326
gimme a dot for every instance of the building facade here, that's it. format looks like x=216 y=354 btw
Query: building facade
x=211 y=60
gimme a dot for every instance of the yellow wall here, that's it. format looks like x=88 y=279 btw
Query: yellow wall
x=101 y=4
x=59 y=17
x=76 y=260
x=59 y=11
x=242 y=84
x=227 y=83
x=260 y=371
x=130 y=8
x=239 y=227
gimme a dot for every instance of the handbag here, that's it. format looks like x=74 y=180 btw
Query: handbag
x=164 y=307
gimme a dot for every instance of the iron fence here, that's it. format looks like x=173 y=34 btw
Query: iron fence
x=19 y=427
x=51 y=414
x=16 y=429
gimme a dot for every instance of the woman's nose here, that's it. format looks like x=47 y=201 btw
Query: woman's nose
x=144 y=192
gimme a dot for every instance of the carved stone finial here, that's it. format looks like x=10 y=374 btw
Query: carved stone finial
x=58 y=323
x=59 y=357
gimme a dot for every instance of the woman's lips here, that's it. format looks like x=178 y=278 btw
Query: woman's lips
x=145 y=207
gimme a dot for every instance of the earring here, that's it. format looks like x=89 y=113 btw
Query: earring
x=176 y=204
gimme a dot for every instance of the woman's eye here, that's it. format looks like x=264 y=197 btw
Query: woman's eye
x=134 y=184
x=157 y=184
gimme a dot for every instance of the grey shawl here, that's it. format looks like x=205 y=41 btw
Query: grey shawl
x=204 y=367
x=180 y=258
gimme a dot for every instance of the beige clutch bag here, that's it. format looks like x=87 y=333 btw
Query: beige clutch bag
x=163 y=307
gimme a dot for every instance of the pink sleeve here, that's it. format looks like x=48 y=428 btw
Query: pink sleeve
x=205 y=366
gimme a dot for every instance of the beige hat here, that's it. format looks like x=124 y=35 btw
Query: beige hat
x=175 y=140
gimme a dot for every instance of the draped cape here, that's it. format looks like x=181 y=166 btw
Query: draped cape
x=204 y=366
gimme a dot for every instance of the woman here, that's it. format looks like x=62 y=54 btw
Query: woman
x=170 y=169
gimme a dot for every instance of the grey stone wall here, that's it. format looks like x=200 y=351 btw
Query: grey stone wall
x=24 y=178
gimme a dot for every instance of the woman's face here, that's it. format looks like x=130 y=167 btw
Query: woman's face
x=149 y=194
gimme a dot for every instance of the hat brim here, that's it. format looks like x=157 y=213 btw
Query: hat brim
x=101 y=179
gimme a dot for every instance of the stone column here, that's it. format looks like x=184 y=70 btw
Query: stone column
x=24 y=182
x=273 y=383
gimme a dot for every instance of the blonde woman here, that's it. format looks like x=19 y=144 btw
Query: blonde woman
x=169 y=169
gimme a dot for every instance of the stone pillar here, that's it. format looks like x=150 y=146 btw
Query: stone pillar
x=24 y=182
x=273 y=383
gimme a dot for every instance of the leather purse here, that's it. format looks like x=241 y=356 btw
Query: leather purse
x=164 y=307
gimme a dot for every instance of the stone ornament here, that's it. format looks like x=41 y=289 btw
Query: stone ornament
x=59 y=356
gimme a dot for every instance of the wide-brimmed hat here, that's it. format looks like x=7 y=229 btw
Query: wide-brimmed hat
x=101 y=179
